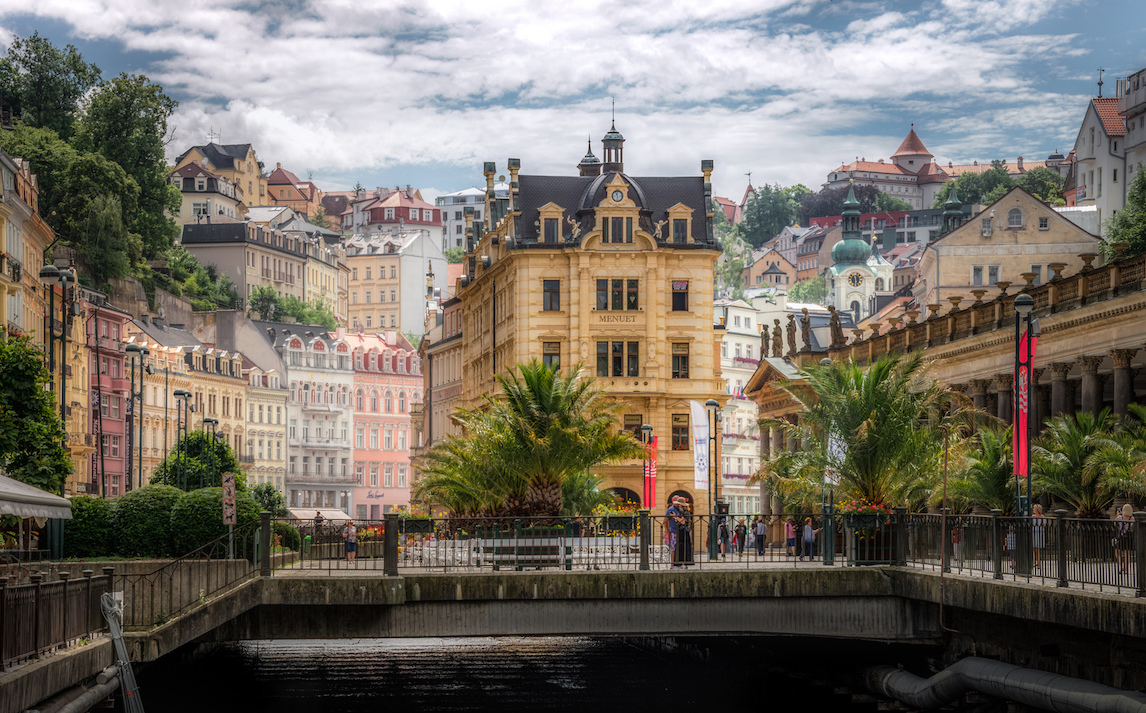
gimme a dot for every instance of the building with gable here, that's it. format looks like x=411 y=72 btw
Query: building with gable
x=237 y=163
x=264 y=455
x=388 y=273
x=285 y=188
x=607 y=270
x=393 y=210
x=768 y=268
x=206 y=195
x=1100 y=159
x=739 y=435
x=859 y=274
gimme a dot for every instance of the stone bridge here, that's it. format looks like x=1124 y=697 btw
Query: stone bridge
x=1101 y=637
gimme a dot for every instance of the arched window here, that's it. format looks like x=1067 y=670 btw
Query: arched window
x=389 y=401
x=856 y=311
x=879 y=284
x=401 y=402
x=306 y=393
x=374 y=401
x=1014 y=218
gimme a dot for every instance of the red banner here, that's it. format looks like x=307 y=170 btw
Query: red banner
x=1023 y=407
x=650 y=495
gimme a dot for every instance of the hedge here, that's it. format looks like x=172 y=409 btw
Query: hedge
x=88 y=533
x=141 y=522
x=197 y=519
x=291 y=539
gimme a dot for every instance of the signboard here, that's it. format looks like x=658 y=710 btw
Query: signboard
x=228 y=498
x=1022 y=405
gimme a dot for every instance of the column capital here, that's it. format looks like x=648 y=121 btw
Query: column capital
x=979 y=386
x=1003 y=381
x=959 y=388
x=1122 y=357
x=1060 y=369
x=1037 y=375
x=1089 y=363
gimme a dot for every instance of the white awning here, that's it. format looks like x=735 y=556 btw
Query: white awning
x=330 y=514
x=23 y=500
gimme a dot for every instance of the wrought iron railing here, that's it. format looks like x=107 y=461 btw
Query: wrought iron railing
x=42 y=616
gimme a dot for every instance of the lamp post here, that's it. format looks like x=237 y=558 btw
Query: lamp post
x=51 y=276
x=1024 y=360
x=209 y=423
x=714 y=419
x=136 y=355
x=182 y=399
x=647 y=438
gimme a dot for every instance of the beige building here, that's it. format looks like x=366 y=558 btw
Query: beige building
x=375 y=283
x=251 y=255
x=205 y=195
x=1015 y=241
x=609 y=271
x=264 y=455
x=168 y=373
x=441 y=355
x=769 y=269
x=235 y=162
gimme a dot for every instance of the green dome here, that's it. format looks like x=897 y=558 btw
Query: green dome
x=852 y=251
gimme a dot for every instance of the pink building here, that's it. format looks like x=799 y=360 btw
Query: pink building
x=387 y=380
x=110 y=393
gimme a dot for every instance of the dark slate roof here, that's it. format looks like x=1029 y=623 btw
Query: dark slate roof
x=197 y=233
x=578 y=195
x=278 y=332
x=167 y=335
x=221 y=156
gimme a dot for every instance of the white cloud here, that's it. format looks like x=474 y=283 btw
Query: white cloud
x=343 y=86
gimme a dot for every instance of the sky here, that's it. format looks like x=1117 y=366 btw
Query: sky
x=397 y=93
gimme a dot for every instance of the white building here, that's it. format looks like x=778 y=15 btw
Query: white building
x=452 y=206
x=858 y=274
x=1100 y=159
x=1132 y=108
x=417 y=254
x=740 y=436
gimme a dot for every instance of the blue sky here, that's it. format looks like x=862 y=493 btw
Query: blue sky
x=396 y=93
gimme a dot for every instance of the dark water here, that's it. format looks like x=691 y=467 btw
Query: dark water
x=515 y=674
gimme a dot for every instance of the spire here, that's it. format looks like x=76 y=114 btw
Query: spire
x=613 y=145
x=590 y=165
x=952 y=211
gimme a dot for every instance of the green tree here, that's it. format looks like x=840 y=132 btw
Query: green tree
x=31 y=432
x=985 y=476
x=43 y=85
x=813 y=290
x=888 y=202
x=1065 y=463
x=518 y=450
x=198 y=469
x=268 y=498
x=829 y=202
x=581 y=493
x=125 y=120
x=978 y=187
x=876 y=428
x=49 y=156
x=263 y=301
x=1045 y=184
x=770 y=209
x=1129 y=224
x=321 y=219
x=414 y=339
x=107 y=249
x=735 y=255
x=454 y=255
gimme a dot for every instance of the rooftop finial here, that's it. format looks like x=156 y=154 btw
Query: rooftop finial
x=613 y=100
x=1100 y=71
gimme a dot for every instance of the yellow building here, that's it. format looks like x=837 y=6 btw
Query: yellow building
x=206 y=196
x=235 y=162
x=1017 y=240
x=609 y=271
x=264 y=455
x=374 y=284
x=441 y=355
x=323 y=273
x=167 y=374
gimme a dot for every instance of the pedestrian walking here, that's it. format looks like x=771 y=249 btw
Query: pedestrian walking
x=350 y=537
x=790 y=536
x=684 y=550
x=809 y=539
x=741 y=534
x=672 y=520
x=1038 y=533
x=760 y=534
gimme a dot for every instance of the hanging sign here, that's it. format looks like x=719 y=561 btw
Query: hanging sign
x=228 y=498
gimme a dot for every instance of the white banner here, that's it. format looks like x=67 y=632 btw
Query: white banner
x=699 y=445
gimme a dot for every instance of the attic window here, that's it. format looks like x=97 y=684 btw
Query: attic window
x=1014 y=218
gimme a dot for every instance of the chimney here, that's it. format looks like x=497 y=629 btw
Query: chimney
x=1020 y=164
x=143 y=318
x=278 y=166
x=158 y=322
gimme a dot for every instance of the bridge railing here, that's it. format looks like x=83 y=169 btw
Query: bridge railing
x=41 y=616
x=1106 y=555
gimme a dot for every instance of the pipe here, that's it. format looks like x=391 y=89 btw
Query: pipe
x=1047 y=691
x=92 y=696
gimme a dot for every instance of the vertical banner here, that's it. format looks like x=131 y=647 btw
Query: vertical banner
x=646 y=500
x=228 y=498
x=1023 y=406
x=652 y=501
x=699 y=445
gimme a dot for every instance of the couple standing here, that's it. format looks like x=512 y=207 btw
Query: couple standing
x=679 y=517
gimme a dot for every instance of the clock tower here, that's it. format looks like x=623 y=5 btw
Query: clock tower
x=859 y=273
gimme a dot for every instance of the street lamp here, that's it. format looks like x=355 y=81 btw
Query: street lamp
x=714 y=420
x=1024 y=360
x=136 y=354
x=211 y=423
x=649 y=494
x=51 y=276
x=182 y=418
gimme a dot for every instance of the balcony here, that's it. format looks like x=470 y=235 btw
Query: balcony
x=11 y=268
x=308 y=475
x=324 y=443
x=112 y=346
x=117 y=383
x=246 y=459
x=321 y=408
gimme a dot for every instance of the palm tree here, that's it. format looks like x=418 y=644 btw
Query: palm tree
x=876 y=430
x=986 y=477
x=1086 y=459
x=518 y=450
x=581 y=493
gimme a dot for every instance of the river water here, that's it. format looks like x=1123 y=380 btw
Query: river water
x=516 y=674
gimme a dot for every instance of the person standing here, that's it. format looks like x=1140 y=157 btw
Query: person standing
x=741 y=536
x=1124 y=536
x=672 y=525
x=684 y=534
x=809 y=539
x=790 y=536
x=318 y=519
x=1038 y=533
x=722 y=533
x=350 y=537
x=760 y=534
x=957 y=544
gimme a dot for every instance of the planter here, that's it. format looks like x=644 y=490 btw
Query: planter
x=413 y=525
x=871 y=540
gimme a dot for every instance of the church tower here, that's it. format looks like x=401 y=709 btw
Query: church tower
x=613 y=145
x=952 y=211
x=859 y=272
x=590 y=165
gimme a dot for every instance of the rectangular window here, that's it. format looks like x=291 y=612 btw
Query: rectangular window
x=993 y=274
x=680 y=296
x=628 y=230
x=551 y=295
x=631 y=300
x=1044 y=223
x=551 y=354
x=680 y=361
x=618 y=358
x=618 y=230
x=115 y=446
x=632 y=359
x=358 y=437
x=103 y=406
x=388 y=440
x=633 y=423
x=977 y=275
x=374 y=438
x=401 y=440
x=401 y=476
x=602 y=358
x=680 y=231
x=618 y=294
x=374 y=475
x=551 y=230
x=602 y=294
x=680 y=435
x=1038 y=270
x=388 y=477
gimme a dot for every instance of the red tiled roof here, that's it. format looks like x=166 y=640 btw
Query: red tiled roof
x=280 y=176
x=191 y=170
x=911 y=145
x=931 y=173
x=1107 y=109
x=875 y=167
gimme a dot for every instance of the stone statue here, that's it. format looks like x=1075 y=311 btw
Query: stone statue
x=764 y=340
x=791 y=329
x=777 y=340
x=806 y=329
x=575 y=229
x=837 y=328
x=660 y=229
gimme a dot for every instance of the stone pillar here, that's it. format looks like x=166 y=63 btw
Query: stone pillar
x=1091 y=388
x=1123 y=379
x=1060 y=392
x=979 y=393
x=1003 y=383
x=777 y=436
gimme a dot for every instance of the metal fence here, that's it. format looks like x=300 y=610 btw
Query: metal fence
x=41 y=616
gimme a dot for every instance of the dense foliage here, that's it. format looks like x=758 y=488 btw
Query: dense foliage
x=268 y=498
x=197 y=518
x=31 y=432
x=990 y=185
x=769 y=210
x=1129 y=224
x=88 y=533
x=141 y=521
x=198 y=469
x=813 y=290
x=268 y=304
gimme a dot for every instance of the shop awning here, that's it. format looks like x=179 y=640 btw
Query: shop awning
x=23 y=500
x=330 y=514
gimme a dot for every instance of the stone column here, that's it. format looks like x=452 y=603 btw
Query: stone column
x=1091 y=389
x=777 y=436
x=979 y=393
x=1059 y=390
x=1123 y=379
x=1003 y=383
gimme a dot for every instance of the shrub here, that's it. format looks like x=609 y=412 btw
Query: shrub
x=291 y=539
x=88 y=533
x=141 y=521
x=197 y=518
